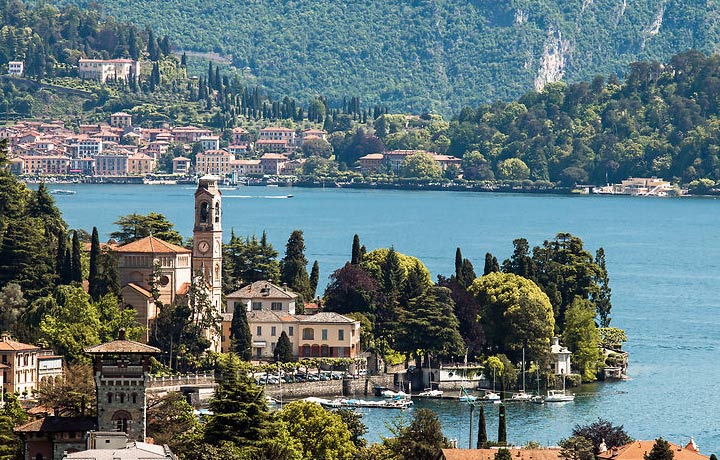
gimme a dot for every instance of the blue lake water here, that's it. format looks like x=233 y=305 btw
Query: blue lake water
x=663 y=258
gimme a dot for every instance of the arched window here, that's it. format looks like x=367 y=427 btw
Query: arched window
x=134 y=398
x=305 y=351
x=217 y=212
x=122 y=398
x=204 y=212
x=109 y=398
x=121 y=419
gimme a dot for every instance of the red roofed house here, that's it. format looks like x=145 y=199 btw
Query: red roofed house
x=272 y=163
x=637 y=450
x=489 y=454
x=271 y=311
x=20 y=376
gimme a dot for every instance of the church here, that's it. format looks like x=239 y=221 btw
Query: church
x=171 y=268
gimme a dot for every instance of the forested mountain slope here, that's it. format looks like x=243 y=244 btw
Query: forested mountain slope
x=417 y=55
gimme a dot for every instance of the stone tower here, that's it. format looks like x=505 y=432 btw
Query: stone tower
x=207 y=242
x=121 y=375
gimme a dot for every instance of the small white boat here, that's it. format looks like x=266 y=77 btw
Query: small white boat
x=63 y=192
x=428 y=393
x=467 y=398
x=491 y=396
x=537 y=399
x=559 y=396
x=521 y=396
x=394 y=395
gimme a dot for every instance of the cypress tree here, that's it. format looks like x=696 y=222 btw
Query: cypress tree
x=240 y=333
x=502 y=427
x=183 y=60
x=283 y=349
x=60 y=257
x=94 y=276
x=355 y=257
x=661 y=450
x=293 y=271
x=458 y=266
x=482 y=431
x=314 y=278
x=491 y=264
x=67 y=273
x=76 y=270
x=468 y=272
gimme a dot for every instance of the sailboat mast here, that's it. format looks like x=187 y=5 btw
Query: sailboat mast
x=523 y=369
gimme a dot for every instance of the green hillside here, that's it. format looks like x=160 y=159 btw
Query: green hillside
x=416 y=55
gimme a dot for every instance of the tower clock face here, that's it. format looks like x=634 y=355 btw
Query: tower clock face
x=203 y=247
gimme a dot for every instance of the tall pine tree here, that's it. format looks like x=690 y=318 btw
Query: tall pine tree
x=76 y=273
x=293 y=271
x=355 y=256
x=314 y=278
x=94 y=281
x=240 y=333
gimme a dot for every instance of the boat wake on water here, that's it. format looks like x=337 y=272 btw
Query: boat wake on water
x=267 y=197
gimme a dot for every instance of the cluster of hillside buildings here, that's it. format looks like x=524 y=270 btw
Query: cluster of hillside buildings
x=120 y=149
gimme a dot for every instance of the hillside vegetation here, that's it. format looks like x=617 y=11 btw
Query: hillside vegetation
x=421 y=55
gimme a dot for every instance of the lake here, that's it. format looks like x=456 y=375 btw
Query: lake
x=663 y=258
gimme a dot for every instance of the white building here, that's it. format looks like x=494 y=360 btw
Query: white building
x=16 y=68
x=103 y=70
x=560 y=357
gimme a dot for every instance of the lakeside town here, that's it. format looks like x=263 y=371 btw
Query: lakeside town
x=119 y=152
x=150 y=345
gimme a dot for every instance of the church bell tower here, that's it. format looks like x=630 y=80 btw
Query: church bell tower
x=207 y=241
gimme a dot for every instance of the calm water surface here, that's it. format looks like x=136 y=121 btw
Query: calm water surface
x=663 y=257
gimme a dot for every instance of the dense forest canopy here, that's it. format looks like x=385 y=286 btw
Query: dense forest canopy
x=426 y=55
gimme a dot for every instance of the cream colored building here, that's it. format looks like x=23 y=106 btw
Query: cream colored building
x=20 y=376
x=271 y=311
x=121 y=120
x=103 y=70
x=246 y=167
x=215 y=162
x=140 y=164
x=136 y=262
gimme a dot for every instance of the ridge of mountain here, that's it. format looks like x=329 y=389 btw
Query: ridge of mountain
x=436 y=55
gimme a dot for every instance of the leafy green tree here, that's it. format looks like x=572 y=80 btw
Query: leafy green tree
x=71 y=323
x=322 y=434
x=513 y=169
x=601 y=297
x=582 y=337
x=240 y=333
x=169 y=417
x=602 y=431
x=113 y=318
x=283 y=350
x=317 y=147
x=421 y=165
x=60 y=264
x=357 y=428
x=351 y=289
x=94 y=282
x=421 y=440
x=476 y=167
x=576 y=448
x=661 y=450
x=137 y=226
x=314 y=278
x=71 y=395
x=429 y=325
x=612 y=337
x=515 y=314
x=12 y=415
x=293 y=271
x=249 y=260
x=12 y=303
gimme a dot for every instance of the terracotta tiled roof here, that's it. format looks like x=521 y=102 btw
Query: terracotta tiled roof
x=324 y=317
x=59 y=424
x=264 y=290
x=8 y=344
x=636 y=450
x=152 y=245
x=489 y=454
x=140 y=290
x=122 y=346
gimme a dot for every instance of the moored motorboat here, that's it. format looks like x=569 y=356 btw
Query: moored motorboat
x=559 y=396
x=428 y=393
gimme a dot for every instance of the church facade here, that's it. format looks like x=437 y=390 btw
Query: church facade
x=153 y=263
